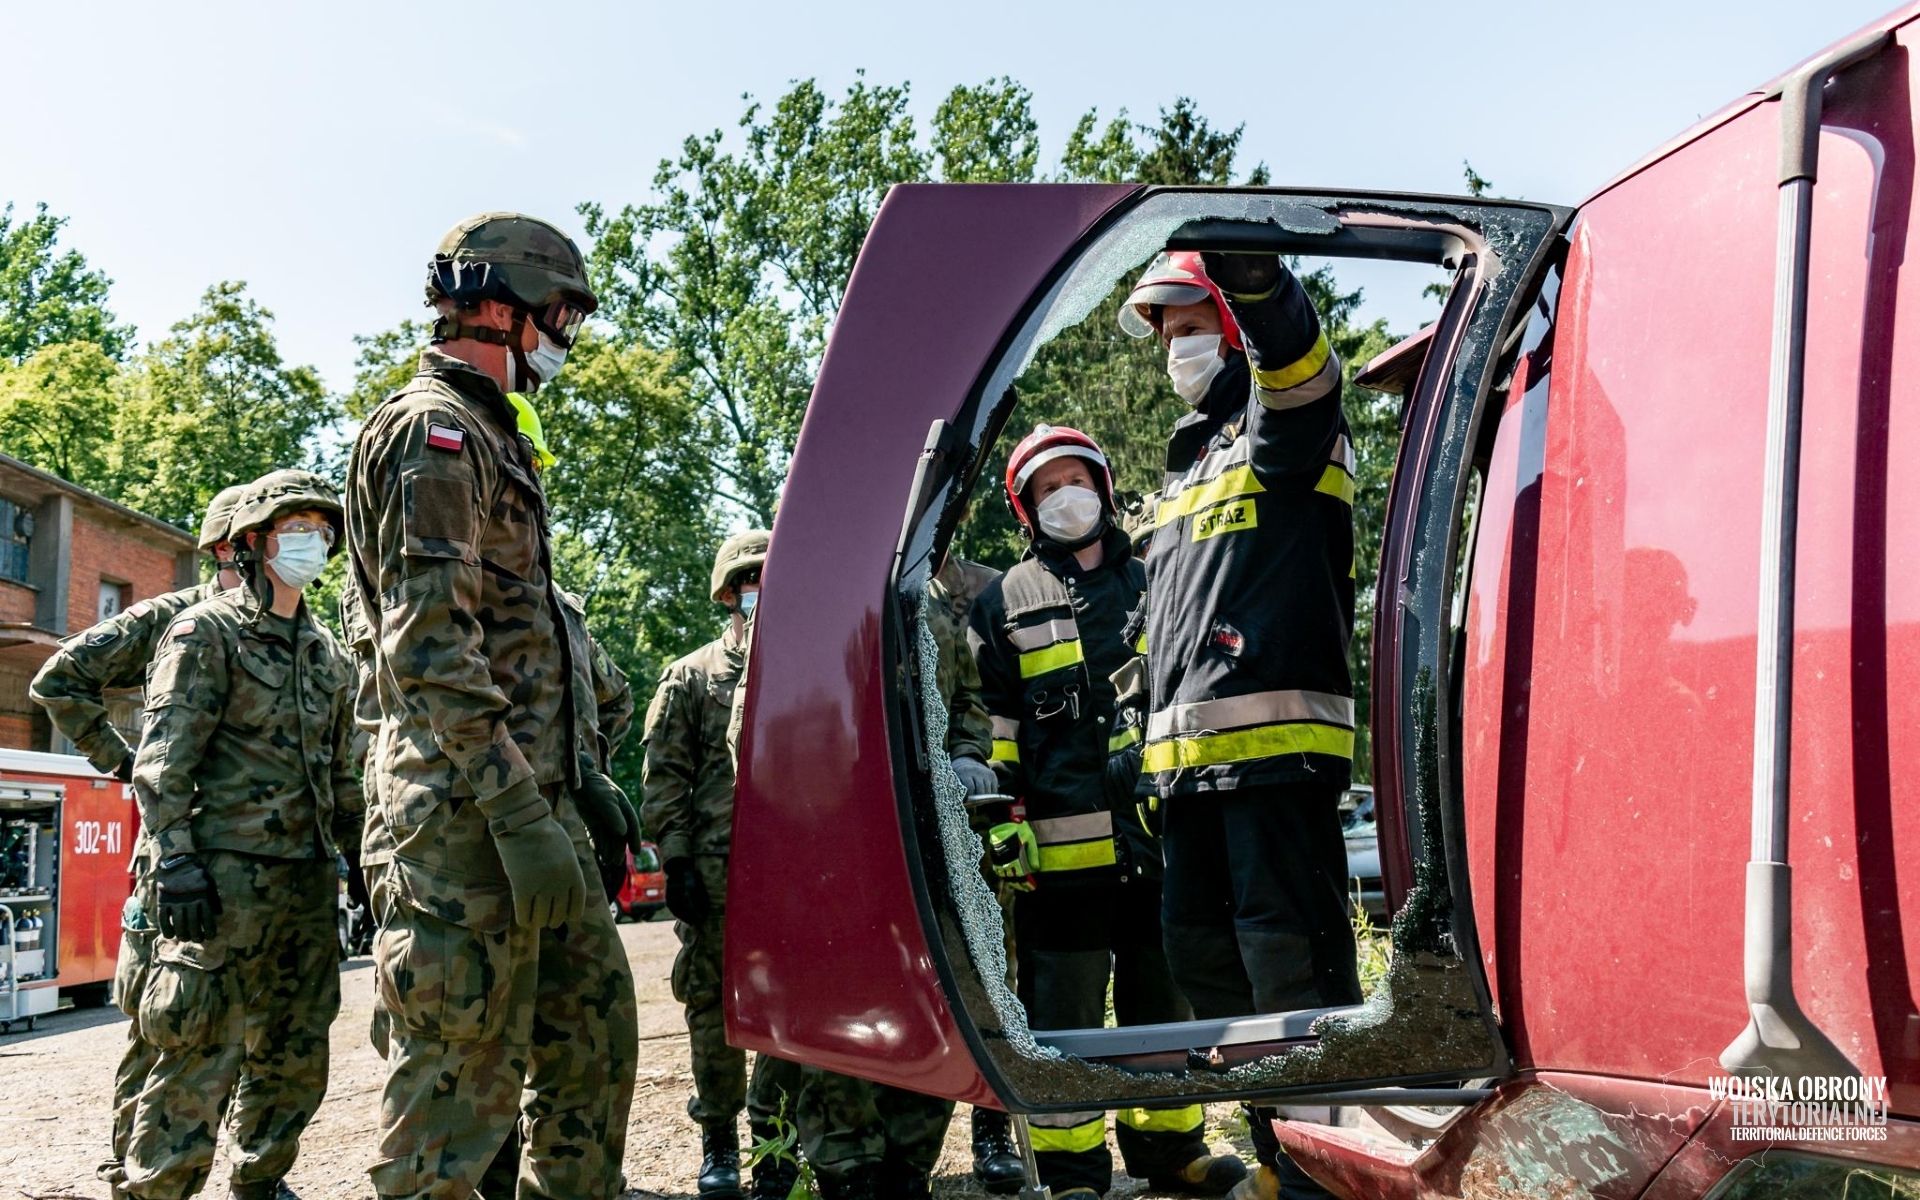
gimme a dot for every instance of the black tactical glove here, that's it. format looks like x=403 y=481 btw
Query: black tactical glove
x=614 y=825
x=687 y=897
x=356 y=880
x=1243 y=276
x=187 y=899
x=124 y=772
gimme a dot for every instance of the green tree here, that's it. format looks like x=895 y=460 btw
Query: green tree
x=49 y=296
x=214 y=404
x=386 y=361
x=57 y=412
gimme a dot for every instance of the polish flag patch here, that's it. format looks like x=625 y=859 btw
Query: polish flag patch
x=181 y=628
x=440 y=437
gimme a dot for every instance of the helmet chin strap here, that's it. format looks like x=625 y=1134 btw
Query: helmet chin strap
x=522 y=378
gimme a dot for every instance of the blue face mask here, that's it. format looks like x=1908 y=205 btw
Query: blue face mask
x=747 y=601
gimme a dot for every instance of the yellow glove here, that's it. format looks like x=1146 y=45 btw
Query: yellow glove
x=1015 y=854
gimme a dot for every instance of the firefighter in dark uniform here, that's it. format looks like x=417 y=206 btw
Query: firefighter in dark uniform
x=1048 y=634
x=1249 y=738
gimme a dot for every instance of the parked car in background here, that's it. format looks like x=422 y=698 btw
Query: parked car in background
x=1363 y=852
x=645 y=892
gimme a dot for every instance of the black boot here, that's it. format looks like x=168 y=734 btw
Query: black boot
x=996 y=1161
x=860 y=1183
x=720 y=1162
x=272 y=1189
x=773 y=1174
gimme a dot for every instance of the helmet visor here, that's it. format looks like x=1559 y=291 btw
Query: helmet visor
x=1135 y=317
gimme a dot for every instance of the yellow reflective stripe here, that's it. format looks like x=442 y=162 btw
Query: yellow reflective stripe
x=1335 y=482
x=1235 y=516
x=1120 y=741
x=1238 y=482
x=1052 y=658
x=1140 y=643
x=1163 y=1120
x=1071 y=1139
x=1078 y=856
x=1299 y=370
x=1005 y=750
x=1267 y=741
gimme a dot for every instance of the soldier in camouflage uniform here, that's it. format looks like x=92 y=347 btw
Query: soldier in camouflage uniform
x=688 y=808
x=246 y=783
x=505 y=986
x=71 y=687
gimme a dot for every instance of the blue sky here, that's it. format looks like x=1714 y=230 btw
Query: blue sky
x=319 y=151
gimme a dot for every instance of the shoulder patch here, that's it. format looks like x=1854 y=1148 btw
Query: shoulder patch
x=99 y=637
x=181 y=628
x=140 y=609
x=444 y=437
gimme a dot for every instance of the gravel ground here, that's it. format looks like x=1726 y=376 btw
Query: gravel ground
x=54 y=1114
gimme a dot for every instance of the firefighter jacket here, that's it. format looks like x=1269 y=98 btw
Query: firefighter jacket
x=473 y=661
x=686 y=785
x=1047 y=636
x=113 y=654
x=1252 y=568
x=248 y=738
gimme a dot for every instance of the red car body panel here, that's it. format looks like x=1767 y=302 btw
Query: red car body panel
x=825 y=953
x=1606 y=731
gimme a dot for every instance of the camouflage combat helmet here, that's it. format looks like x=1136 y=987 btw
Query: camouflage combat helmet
x=1139 y=522
x=744 y=551
x=280 y=492
x=218 y=520
x=511 y=257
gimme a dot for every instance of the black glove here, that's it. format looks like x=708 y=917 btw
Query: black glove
x=1243 y=276
x=356 y=881
x=614 y=825
x=687 y=897
x=124 y=772
x=187 y=899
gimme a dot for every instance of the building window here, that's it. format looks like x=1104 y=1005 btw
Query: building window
x=16 y=533
x=113 y=598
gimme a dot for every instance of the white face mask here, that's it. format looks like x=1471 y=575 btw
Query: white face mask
x=546 y=359
x=1192 y=362
x=301 y=558
x=1070 y=514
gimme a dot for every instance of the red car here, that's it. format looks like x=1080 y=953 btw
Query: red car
x=1582 y=757
x=645 y=891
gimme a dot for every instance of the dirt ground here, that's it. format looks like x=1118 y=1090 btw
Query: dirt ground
x=54 y=1110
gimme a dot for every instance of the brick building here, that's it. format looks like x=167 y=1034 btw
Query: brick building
x=69 y=558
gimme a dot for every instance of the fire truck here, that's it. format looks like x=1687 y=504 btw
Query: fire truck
x=66 y=837
x=1638 y=792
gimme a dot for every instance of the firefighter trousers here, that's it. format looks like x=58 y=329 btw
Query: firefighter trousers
x=1074 y=939
x=1256 y=914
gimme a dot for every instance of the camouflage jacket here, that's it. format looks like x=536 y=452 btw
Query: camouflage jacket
x=969 y=731
x=473 y=661
x=607 y=684
x=248 y=742
x=687 y=782
x=113 y=654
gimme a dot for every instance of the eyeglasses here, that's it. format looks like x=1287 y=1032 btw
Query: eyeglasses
x=323 y=528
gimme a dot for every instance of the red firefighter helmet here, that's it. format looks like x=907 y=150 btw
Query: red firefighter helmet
x=1174 y=277
x=1042 y=446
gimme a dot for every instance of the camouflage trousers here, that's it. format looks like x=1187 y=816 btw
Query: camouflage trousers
x=241 y=1019
x=721 y=1086
x=496 y=1029
x=848 y=1124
